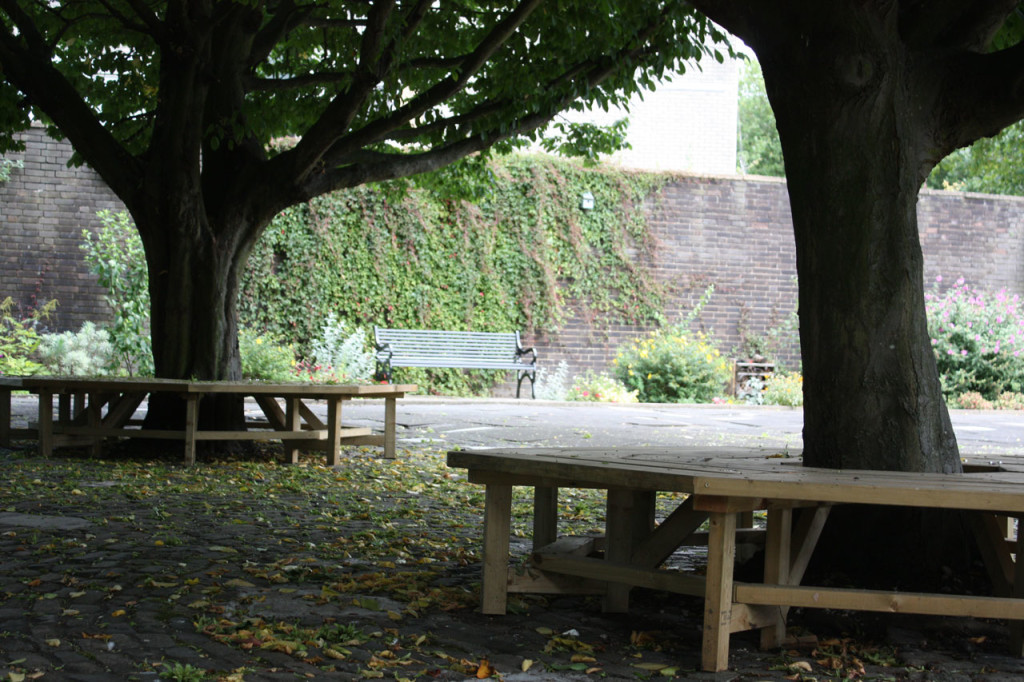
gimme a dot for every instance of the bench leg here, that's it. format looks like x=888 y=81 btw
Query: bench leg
x=191 y=426
x=545 y=516
x=778 y=550
x=630 y=517
x=293 y=422
x=718 y=591
x=45 y=423
x=5 y=417
x=93 y=418
x=390 y=424
x=1017 y=626
x=497 y=525
x=334 y=431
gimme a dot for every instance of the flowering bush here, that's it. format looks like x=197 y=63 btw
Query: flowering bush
x=673 y=366
x=978 y=339
x=784 y=389
x=600 y=388
x=263 y=359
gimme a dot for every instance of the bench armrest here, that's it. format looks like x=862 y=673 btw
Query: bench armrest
x=520 y=352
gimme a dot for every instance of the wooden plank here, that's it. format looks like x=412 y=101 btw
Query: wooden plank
x=5 y=416
x=390 y=427
x=810 y=524
x=618 y=573
x=732 y=505
x=988 y=533
x=533 y=581
x=191 y=425
x=322 y=435
x=618 y=531
x=334 y=432
x=545 y=516
x=669 y=535
x=880 y=600
x=1017 y=626
x=718 y=596
x=752 y=617
x=571 y=545
x=497 y=525
x=45 y=422
x=777 y=555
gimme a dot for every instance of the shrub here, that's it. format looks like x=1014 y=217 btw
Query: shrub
x=339 y=356
x=553 y=385
x=600 y=388
x=87 y=352
x=977 y=339
x=784 y=389
x=673 y=366
x=116 y=256
x=19 y=338
x=1010 y=401
x=972 y=400
x=263 y=359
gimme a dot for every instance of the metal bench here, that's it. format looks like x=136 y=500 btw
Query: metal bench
x=462 y=350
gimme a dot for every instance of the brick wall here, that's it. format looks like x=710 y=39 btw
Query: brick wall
x=733 y=232
x=736 y=233
x=43 y=209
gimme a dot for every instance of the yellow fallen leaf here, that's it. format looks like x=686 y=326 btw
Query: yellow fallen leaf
x=527 y=664
x=53 y=642
x=238 y=582
x=654 y=667
x=580 y=658
x=15 y=677
x=159 y=543
x=801 y=665
x=118 y=613
x=545 y=631
x=485 y=670
x=76 y=595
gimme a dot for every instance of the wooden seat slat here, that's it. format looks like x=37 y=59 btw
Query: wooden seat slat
x=453 y=349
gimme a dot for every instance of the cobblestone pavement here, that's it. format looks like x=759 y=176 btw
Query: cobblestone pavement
x=127 y=568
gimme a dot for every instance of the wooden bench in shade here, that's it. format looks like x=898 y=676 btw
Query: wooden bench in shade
x=91 y=410
x=461 y=350
x=722 y=483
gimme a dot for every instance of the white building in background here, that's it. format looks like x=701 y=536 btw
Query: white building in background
x=687 y=124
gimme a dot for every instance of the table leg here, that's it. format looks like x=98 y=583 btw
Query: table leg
x=92 y=418
x=191 y=425
x=390 y=423
x=334 y=430
x=778 y=540
x=1017 y=626
x=545 y=516
x=45 y=422
x=293 y=422
x=5 y=417
x=630 y=517
x=718 y=591
x=497 y=525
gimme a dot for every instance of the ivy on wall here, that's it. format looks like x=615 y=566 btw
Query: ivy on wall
x=524 y=256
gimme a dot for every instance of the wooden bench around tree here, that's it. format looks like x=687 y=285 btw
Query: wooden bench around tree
x=722 y=483
x=92 y=410
x=461 y=350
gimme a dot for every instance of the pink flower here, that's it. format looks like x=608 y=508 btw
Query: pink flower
x=939 y=278
x=963 y=352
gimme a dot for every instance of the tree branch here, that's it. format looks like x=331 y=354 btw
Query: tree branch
x=25 y=62
x=328 y=132
x=952 y=24
x=978 y=95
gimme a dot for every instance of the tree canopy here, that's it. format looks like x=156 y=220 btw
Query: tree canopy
x=759 y=151
x=209 y=117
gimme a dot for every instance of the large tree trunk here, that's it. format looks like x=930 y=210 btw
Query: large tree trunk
x=845 y=107
x=194 y=274
x=846 y=111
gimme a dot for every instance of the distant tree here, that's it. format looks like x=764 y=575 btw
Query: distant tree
x=994 y=165
x=759 y=152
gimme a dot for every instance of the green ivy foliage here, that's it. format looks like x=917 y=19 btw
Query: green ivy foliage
x=522 y=256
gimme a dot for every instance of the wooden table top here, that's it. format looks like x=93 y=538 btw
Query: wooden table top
x=744 y=473
x=149 y=385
